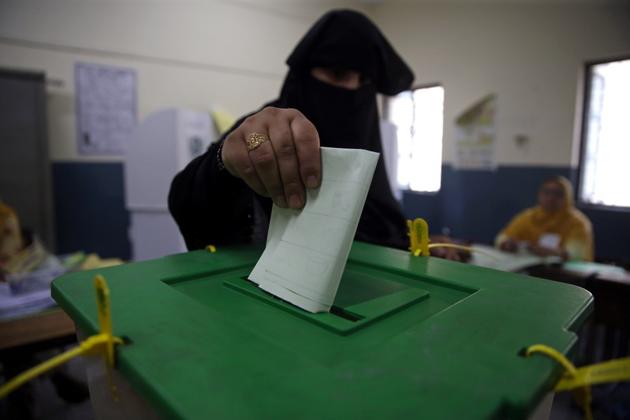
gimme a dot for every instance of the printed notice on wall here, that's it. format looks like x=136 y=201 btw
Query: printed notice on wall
x=475 y=136
x=106 y=108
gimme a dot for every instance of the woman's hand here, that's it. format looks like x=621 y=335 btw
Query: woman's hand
x=508 y=245
x=448 y=253
x=287 y=160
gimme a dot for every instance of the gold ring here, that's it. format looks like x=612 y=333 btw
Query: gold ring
x=254 y=140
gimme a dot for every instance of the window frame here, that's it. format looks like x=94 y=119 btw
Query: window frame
x=586 y=105
x=385 y=103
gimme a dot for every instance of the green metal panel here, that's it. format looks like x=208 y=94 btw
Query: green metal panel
x=408 y=337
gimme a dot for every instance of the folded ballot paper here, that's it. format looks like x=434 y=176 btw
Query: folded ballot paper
x=307 y=249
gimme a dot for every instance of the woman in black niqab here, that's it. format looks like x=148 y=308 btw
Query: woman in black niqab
x=211 y=206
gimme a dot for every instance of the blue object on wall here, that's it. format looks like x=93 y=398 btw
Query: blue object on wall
x=90 y=212
x=474 y=205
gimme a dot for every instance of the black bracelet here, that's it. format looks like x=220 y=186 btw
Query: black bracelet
x=220 y=164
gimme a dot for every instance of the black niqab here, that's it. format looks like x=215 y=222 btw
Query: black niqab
x=349 y=118
x=348 y=39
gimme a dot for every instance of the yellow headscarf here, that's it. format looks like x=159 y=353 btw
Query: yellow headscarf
x=569 y=223
x=11 y=241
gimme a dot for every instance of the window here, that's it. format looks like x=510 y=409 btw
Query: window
x=418 y=115
x=606 y=135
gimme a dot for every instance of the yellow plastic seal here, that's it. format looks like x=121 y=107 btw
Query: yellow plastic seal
x=101 y=344
x=579 y=380
x=418 y=231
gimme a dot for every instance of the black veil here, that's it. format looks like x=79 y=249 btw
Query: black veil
x=346 y=39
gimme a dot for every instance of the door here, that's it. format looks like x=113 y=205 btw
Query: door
x=24 y=163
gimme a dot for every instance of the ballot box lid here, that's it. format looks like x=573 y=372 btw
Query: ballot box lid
x=407 y=337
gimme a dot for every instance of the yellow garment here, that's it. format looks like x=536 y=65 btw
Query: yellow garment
x=11 y=241
x=570 y=224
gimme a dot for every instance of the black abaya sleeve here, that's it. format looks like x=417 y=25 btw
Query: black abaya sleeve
x=209 y=205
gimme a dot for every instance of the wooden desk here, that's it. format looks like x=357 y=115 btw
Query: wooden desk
x=610 y=289
x=36 y=328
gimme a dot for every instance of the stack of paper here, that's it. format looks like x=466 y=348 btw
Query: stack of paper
x=491 y=257
x=307 y=249
x=29 y=292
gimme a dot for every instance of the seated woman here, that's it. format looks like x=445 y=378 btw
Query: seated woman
x=553 y=227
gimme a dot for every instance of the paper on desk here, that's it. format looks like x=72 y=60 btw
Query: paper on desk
x=307 y=249
x=490 y=257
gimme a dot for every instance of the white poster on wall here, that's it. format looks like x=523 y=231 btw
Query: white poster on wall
x=475 y=135
x=106 y=108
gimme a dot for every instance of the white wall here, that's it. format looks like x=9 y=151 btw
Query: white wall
x=196 y=54
x=230 y=54
x=530 y=55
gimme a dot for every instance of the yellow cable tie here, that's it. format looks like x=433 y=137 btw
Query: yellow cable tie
x=418 y=232
x=617 y=370
x=39 y=369
x=462 y=247
x=101 y=344
x=579 y=380
x=552 y=354
x=105 y=323
x=583 y=395
x=92 y=346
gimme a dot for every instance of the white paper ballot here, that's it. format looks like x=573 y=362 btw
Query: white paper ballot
x=307 y=249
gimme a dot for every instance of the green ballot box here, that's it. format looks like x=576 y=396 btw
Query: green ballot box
x=408 y=337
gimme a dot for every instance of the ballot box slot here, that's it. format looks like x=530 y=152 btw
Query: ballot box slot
x=335 y=310
x=362 y=301
x=342 y=313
